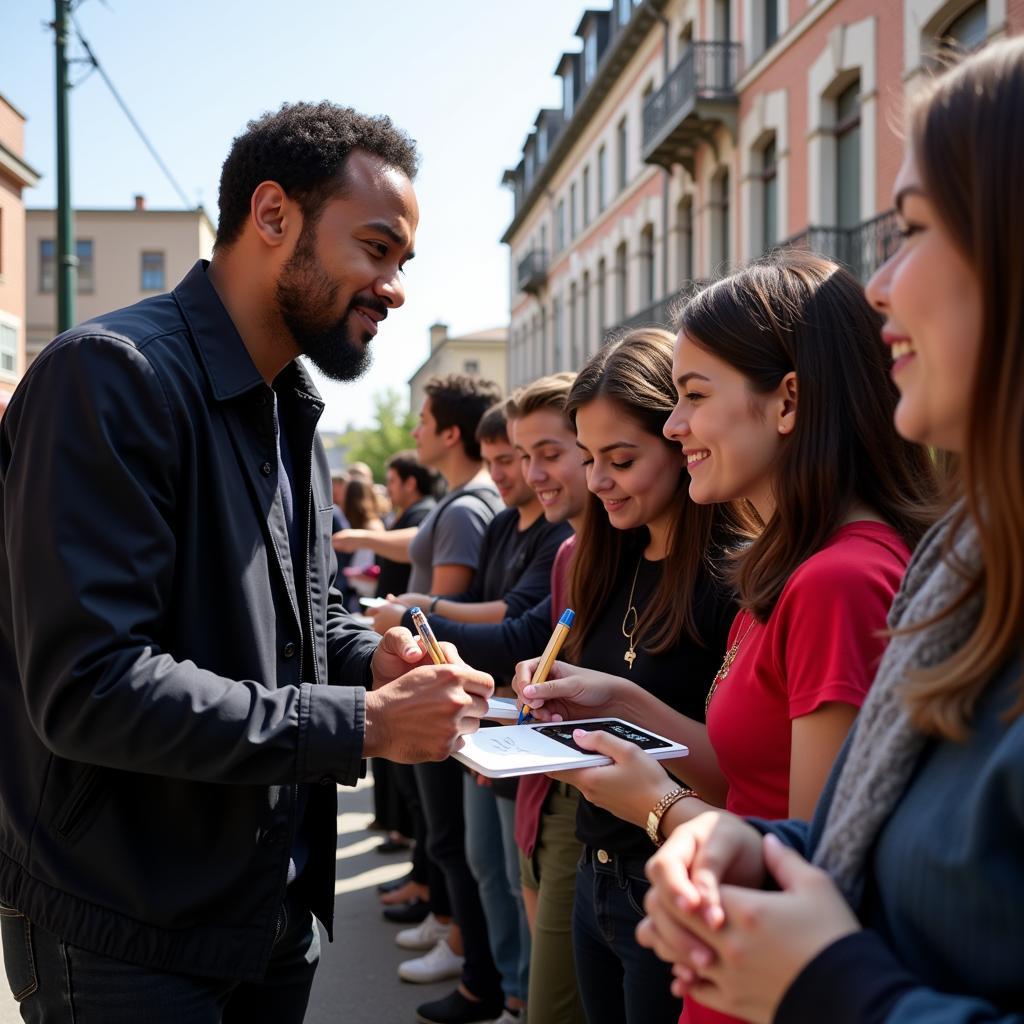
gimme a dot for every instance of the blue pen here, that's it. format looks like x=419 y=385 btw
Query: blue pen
x=547 y=659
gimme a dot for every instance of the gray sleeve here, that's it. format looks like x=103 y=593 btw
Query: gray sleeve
x=459 y=532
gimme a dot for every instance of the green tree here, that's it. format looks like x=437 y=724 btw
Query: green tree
x=391 y=433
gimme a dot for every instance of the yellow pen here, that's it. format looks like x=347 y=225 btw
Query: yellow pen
x=419 y=620
x=547 y=659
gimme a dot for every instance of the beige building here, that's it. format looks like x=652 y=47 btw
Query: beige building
x=483 y=354
x=15 y=175
x=123 y=256
x=697 y=134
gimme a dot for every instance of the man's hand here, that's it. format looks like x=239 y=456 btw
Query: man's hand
x=399 y=651
x=422 y=715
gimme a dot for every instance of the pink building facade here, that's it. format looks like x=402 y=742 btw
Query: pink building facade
x=695 y=135
x=15 y=175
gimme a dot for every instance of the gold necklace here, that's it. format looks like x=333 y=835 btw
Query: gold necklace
x=730 y=657
x=630 y=656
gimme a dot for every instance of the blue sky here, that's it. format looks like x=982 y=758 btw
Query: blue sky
x=464 y=77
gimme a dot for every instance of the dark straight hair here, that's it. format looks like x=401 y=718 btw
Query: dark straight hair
x=797 y=312
x=635 y=373
x=967 y=140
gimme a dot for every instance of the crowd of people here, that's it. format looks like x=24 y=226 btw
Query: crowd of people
x=792 y=532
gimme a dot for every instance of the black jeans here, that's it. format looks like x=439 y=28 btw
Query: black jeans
x=441 y=792
x=56 y=983
x=620 y=981
x=425 y=870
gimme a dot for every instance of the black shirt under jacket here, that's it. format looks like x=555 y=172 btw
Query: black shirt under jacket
x=163 y=666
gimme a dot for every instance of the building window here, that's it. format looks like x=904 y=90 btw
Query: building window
x=153 y=276
x=722 y=15
x=602 y=179
x=721 y=222
x=769 y=196
x=1 y=242
x=567 y=92
x=574 y=354
x=572 y=211
x=967 y=31
x=625 y=10
x=622 y=134
x=684 y=227
x=590 y=56
x=647 y=266
x=621 y=283
x=86 y=268
x=47 y=265
x=771 y=22
x=556 y=324
x=586 y=195
x=8 y=348
x=585 y=318
x=560 y=226
x=471 y=366
x=847 y=133
x=602 y=297
x=542 y=143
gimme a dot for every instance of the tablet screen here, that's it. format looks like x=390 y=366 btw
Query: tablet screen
x=563 y=733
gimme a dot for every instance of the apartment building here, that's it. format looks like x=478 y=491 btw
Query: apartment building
x=697 y=134
x=15 y=175
x=483 y=354
x=123 y=255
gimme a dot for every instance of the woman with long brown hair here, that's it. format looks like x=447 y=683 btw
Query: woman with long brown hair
x=784 y=407
x=914 y=910
x=649 y=603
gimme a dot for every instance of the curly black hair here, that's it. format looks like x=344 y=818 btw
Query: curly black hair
x=303 y=147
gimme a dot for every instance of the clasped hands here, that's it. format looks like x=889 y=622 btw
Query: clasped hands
x=419 y=711
x=733 y=946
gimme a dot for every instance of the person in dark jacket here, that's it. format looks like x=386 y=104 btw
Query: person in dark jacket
x=180 y=688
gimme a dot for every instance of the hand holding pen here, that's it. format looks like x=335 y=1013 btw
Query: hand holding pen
x=547 y=659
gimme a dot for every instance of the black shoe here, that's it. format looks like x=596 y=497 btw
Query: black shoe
x=396 y=883
x=455 y=1008
x=376 y=826
x=412 y=912
x=393 y=846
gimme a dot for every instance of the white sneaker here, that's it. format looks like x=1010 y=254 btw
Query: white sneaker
x=426 y=935
x=510 y=1017
x=438 y=964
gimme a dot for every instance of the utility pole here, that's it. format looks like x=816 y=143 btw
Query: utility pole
x=66 y=260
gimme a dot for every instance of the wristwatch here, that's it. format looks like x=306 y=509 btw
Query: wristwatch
x=657 y=812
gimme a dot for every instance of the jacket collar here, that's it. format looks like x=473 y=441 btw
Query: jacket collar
x=225 y=359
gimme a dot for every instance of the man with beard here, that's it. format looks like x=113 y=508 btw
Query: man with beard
x=169 y=744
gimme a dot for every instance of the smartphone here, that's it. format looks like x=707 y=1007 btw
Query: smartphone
x=624 y=731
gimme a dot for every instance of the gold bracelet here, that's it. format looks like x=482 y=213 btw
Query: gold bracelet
x=661 y=807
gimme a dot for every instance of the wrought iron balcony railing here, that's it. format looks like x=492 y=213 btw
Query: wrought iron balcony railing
x=699 y=91
x=532 y=272
x=862 y=249
x=661 y=313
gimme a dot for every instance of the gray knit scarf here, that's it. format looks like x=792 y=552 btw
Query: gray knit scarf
x=885 y=747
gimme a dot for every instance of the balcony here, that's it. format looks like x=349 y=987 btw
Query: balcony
x=662 y=313
x=698 y=96
x=532 y=272
x=862 y=249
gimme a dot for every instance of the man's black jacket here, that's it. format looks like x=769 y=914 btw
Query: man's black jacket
x=162 y=664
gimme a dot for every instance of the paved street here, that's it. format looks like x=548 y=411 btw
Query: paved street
x=356 y=982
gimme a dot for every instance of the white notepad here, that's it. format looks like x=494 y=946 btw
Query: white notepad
x=545 y=747
x=502 y=709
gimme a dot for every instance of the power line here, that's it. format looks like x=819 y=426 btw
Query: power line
x=127 y=113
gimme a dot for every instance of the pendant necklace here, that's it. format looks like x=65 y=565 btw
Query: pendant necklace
x=631 y=619
x=730 y=657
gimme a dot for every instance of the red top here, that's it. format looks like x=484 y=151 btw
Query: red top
x=533 y=789
x=822 y=643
